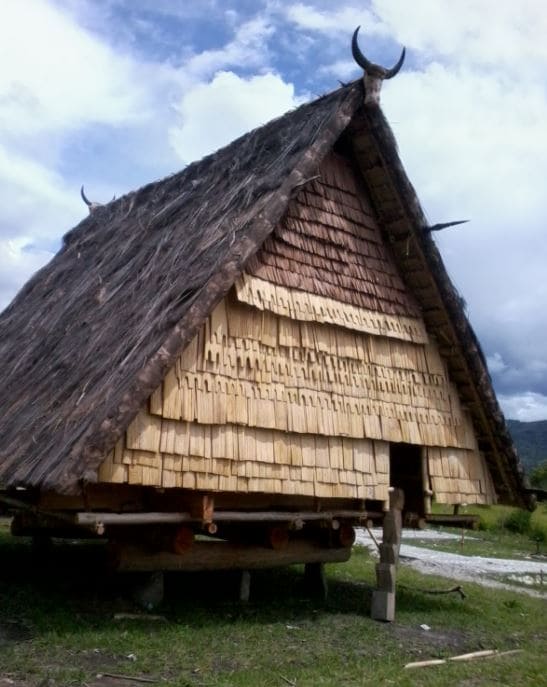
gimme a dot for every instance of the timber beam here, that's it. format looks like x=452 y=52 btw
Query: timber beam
x=98 y=521
x=213 y=555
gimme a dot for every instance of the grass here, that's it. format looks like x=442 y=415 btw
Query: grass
x=513 y=519
x=57 y=625
x=496 y=536
x=536 y=582
x=496 y=517
x=488 y=543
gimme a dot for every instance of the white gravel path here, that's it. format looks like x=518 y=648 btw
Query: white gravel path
x=467 y=568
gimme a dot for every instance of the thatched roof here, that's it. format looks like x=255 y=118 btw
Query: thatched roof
x=93 y=333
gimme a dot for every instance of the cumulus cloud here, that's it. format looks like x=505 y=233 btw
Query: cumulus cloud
x=527 y=407
x=481 y=134
x=18 y=261
x=76 y=79
x=77 y=104
x=496 y=363
x=37 y=207
x=31 y=194
x=247 y=49
x=341 y=69
x=492 y=33
x=334 y=21
x=213 y=114
x=58 y=82
x=473 y=142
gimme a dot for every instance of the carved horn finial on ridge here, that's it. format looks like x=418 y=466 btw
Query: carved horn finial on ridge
x=90 y=204
x=374 y=73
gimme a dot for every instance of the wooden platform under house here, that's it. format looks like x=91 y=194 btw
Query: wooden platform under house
x=261 y=348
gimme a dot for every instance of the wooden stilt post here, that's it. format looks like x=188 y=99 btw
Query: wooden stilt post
x=245 y=586
x=383 y=598
x=316 y=580
x=426 y=484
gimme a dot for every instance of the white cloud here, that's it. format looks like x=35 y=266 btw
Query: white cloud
x=496 y=33
x=37 y=207
x=339 y=21
x=526 y=407
x=341 y=69
x=54 y=75
x=482 y=135
x=475 y=147
x=76 y=107
x=17 y=264
x=59 y=86
x=58 y=81
x=28 y=178
x=213 y=114
x=247 y=49
x=496 y=363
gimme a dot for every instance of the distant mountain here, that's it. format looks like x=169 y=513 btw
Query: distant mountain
x=531 y=441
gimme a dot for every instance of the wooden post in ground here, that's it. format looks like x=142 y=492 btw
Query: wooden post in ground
x=383 y=598
x=428 y=493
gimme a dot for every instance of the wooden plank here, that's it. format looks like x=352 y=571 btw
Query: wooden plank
x=144 y=433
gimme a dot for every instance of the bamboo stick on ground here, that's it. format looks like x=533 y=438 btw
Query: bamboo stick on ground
x=487 y=653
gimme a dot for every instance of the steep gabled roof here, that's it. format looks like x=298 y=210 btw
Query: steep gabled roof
x=94 y=332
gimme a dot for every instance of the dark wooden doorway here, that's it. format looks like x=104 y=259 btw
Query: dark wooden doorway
x=405 y=469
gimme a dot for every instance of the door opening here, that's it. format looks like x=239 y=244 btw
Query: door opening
x=405 y=469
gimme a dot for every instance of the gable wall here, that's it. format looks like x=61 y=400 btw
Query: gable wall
x=301 y=377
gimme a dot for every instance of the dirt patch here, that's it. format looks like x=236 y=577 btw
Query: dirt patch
x=12 y=682
x=109 y=681
x=96 y=661
x=432 y=642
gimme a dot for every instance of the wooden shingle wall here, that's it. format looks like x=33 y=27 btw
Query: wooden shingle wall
x=260 y=402
x=329 y=244
x=301 y=377
x=459 y=476
x=242 y=459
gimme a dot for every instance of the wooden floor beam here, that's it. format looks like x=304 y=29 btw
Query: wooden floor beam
x=212 y=555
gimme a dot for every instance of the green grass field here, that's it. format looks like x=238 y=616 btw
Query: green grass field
x=496 y=536
x=57 y=627
x=492 y=538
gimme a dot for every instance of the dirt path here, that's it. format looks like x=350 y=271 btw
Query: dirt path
x=503 y=573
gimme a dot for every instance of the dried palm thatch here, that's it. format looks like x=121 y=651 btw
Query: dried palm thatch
x=92 y=334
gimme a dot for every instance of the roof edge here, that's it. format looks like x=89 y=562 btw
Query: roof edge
x=411 y=223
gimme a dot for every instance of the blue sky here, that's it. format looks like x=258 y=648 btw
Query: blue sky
x=117 y=93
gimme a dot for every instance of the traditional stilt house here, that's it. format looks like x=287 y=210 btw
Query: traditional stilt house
x=262 y=345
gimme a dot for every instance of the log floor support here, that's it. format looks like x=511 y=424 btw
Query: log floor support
x=224 y=556
x=383 y=598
